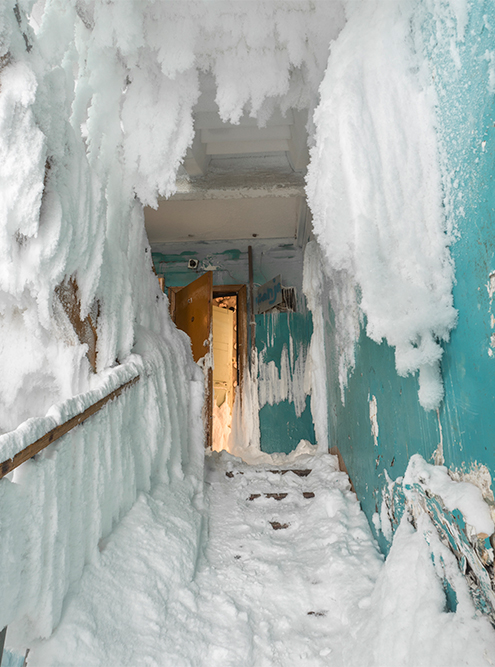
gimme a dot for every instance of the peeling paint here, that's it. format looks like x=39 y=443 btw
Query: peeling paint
x=374 y=418
x=474 y=559
x=438 y=456
x=491 y=286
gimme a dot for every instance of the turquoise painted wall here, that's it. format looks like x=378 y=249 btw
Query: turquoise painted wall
x=281 y=428
x=466 y=119
x=229 y=261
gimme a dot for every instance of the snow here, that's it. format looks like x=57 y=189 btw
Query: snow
x=222 y=420
x=340 y=290
x=210 y=582
x=408 y=623
x=316 y=375
x=284 y=384
x=463 y=496
x=55 y=510
x=375 y=190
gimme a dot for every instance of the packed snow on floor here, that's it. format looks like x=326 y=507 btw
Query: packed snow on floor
x=286 y=573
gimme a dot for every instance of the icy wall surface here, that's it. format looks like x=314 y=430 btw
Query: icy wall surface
x=375 y=190
x=56 y=512
x=285 y=393
x=68 y=210
x=460 y=434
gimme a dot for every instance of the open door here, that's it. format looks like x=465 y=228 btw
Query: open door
x=192 y=313
x=191 y=309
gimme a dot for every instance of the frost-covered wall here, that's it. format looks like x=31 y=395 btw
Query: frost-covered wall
x=375 y=416
x=96 y=111
x=375 y=190
x=68 y=211
x=95 y=117
x=56 y=511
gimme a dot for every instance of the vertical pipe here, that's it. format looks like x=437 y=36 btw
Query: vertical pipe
x=252 y=321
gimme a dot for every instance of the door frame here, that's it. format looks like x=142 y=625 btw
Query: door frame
x=240 y=292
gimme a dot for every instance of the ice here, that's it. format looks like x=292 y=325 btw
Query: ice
x=286 y=384
x=375 y=190
x=58 y=508
x=340 y=291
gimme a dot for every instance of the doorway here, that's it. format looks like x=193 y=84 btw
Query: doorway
x=215 y=319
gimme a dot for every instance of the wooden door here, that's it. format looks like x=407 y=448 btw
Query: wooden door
x=192 y=313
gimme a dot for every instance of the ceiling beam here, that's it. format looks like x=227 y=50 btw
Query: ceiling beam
x=196 y=160
x=247 y=147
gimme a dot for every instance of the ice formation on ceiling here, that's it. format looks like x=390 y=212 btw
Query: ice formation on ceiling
x=96 y=115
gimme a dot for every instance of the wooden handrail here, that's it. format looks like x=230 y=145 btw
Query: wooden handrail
x=59 y=431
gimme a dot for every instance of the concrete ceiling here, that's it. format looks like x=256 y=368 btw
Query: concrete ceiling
x=237 y=181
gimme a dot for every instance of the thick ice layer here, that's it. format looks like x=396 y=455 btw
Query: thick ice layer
x=96 y=109
x=95 y=117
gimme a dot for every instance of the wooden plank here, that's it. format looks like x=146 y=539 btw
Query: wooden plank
x=297 y=471
x=59 y=431
x=242 y=334
x=240 y=292
x=2 y=643
x=193 y=313
x=276 y=525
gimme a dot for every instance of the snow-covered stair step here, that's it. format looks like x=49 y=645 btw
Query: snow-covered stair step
x=276 y=471
x=297 y=471
x=279 y=496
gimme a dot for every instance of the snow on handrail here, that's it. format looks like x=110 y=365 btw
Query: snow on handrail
x=60 y=430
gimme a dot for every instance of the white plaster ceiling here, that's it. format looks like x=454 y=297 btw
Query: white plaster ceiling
x=237 y=181
x=217 y=219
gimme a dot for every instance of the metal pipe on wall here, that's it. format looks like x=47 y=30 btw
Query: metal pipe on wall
x=252 y=321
